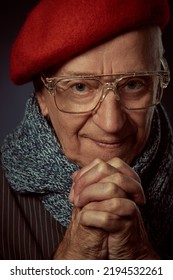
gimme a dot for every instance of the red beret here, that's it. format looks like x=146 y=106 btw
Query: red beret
x=56 y=30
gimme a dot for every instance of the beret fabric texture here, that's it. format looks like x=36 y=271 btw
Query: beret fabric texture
x=57 y=30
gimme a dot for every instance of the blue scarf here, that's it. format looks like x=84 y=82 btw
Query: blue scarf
x=34 y=162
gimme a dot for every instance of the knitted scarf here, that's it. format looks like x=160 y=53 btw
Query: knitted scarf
x=34 y=162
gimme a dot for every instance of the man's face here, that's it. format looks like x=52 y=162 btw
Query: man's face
x=112 y=131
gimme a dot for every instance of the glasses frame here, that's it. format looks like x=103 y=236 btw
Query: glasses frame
x=50 y=85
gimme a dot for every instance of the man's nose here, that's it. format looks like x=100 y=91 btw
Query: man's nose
x=108 y=87
x=110 y=115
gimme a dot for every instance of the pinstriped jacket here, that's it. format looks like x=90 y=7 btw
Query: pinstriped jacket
x=27 y=230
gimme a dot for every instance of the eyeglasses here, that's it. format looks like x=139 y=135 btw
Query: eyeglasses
x=83 y=94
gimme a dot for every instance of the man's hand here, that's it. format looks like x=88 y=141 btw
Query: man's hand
x=106 y=222
x=81 y=242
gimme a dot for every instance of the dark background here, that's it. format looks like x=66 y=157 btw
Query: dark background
x=12 y=98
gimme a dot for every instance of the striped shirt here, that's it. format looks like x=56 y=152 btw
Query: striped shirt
x=27 y=230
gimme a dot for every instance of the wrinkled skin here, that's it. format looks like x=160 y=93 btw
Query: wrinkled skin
x=106 y=222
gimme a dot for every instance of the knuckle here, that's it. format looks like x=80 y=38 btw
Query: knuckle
x=108 y=220
x=97 y=161
x=111 y=189
x=118 y=179
x=123 y=207
x=114 y=205
x=117 y=162
x=131 y=209
x=101 y=167
x=83 y=217
x=134 y=209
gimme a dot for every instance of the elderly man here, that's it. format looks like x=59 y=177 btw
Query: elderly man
x=88 y=174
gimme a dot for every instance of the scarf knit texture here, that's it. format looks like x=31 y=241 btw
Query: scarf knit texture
x=34 y=162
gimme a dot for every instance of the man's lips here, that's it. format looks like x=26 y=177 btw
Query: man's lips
x=114 y=143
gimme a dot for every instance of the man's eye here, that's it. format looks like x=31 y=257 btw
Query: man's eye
x=80 y=87
x=135 y=84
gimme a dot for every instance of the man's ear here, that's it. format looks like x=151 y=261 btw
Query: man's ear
x=42 y=103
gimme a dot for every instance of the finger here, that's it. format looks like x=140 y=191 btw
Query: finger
x=86 y=168
x=124 y=168
x=129 y=185
x=97 y=170
x=108 y=221
x=76 y=175
x=71 y=194
x=98 y=192
x=121 y=207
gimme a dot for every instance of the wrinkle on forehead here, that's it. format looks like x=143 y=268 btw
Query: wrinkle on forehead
x=137 y=50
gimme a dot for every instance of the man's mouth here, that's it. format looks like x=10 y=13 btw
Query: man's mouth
x=110 y=144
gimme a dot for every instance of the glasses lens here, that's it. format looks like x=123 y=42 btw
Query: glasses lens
x=138 y=92
x=77 y=95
